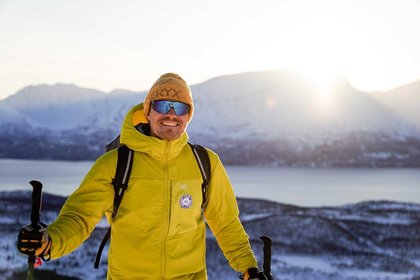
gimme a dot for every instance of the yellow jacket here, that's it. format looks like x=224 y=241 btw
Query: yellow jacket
x=157 y=233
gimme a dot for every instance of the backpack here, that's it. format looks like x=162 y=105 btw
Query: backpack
x=122 y=175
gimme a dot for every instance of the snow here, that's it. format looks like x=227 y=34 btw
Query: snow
x=7 y=220
x=305 y=245
x=63 y=107
x=330 y=268
x=404 y=100
x=103 y=224
x=247 y=218
x=363 y=274
x=307 y=262
x=245 y=105
x=9 y=115
x=393 y=219
x=276 y=111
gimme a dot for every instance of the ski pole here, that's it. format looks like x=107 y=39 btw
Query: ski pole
x=35 y=214
x=267 y=256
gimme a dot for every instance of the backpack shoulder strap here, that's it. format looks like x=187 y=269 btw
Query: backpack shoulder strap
x=203 y=162
x=120 y=183
x=114 y=144
x=122 y=175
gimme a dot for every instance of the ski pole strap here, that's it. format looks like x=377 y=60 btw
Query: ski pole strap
x=203 y=160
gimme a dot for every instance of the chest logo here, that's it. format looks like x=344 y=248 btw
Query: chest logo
x=185 y=201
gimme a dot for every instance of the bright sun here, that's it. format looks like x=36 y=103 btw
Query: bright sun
x=324 y=102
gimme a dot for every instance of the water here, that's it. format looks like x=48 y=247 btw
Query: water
x=299 y=186
x=326 y=186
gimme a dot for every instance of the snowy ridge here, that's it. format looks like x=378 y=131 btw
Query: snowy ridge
x=289 y=119
x=284 y=104
x=405 y=100
x=64 y=107
x=336 y=243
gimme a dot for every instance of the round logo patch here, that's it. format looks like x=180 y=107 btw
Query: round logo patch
x=185 y=201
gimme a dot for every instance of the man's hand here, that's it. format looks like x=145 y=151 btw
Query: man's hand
x=34 y=241
x=254 y=274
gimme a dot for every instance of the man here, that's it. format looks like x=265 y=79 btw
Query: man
x=159 y=232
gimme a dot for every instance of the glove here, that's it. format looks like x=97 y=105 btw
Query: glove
x=254 y=274
x=34 y=241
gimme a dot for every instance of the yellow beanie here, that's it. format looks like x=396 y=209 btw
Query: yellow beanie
x=169 y=86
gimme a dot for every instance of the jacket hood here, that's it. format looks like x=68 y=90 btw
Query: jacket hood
x=155 y=147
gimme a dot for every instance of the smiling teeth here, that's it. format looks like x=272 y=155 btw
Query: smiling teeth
x=169 y=123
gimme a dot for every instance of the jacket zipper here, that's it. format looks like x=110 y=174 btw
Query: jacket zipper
x=167 y=207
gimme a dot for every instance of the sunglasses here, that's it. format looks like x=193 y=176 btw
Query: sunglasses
x=163 y=107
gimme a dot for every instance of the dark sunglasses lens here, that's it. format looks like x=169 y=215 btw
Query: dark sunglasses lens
x=180 y=108
x=163 y=107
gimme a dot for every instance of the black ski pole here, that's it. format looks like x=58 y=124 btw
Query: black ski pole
x=35 y=214
x=267 y=256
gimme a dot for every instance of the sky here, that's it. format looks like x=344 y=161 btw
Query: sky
x=128 y=44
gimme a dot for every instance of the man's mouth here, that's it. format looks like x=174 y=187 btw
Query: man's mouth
x=169 y=123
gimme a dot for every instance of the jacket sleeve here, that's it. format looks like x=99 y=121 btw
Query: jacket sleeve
x=83 y=209
x=222 y=216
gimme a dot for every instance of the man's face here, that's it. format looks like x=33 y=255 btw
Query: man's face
x=167 y=126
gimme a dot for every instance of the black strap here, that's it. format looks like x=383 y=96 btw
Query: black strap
x=114 y=144
x=122 y=175
x=203 y=161
x=101 y=248
x=120 y=183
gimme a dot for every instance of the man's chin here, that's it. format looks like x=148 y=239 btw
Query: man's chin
x=171 y=135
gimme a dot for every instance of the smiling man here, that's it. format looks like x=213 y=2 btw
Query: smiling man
x=172 y=107
x=166 y=123
x=159 y=231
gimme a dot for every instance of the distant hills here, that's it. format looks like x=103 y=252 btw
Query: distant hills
x=276 y=118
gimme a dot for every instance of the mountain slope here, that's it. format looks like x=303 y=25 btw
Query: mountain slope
x=64 y=107
x=271 y=117
x=283 y=103
x=404 y=100
x=363 y=241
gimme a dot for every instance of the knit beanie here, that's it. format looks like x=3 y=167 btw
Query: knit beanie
x=169 y=86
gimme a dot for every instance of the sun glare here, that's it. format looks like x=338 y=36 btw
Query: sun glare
x=324 y=46
x=371 y=42
x=346 y=40
x=322 y=80
x=325 y=107
x=271 y=102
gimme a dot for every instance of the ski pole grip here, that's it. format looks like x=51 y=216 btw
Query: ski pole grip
x=35 y=216
x=36 y=201
x=267 y=255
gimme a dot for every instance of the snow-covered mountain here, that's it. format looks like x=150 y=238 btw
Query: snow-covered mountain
x=404 y=100
x=364 y=241
x=285 y=104
x=270 y=117
x=63 y=107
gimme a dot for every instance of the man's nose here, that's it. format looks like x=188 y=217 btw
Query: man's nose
x=171 y=111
